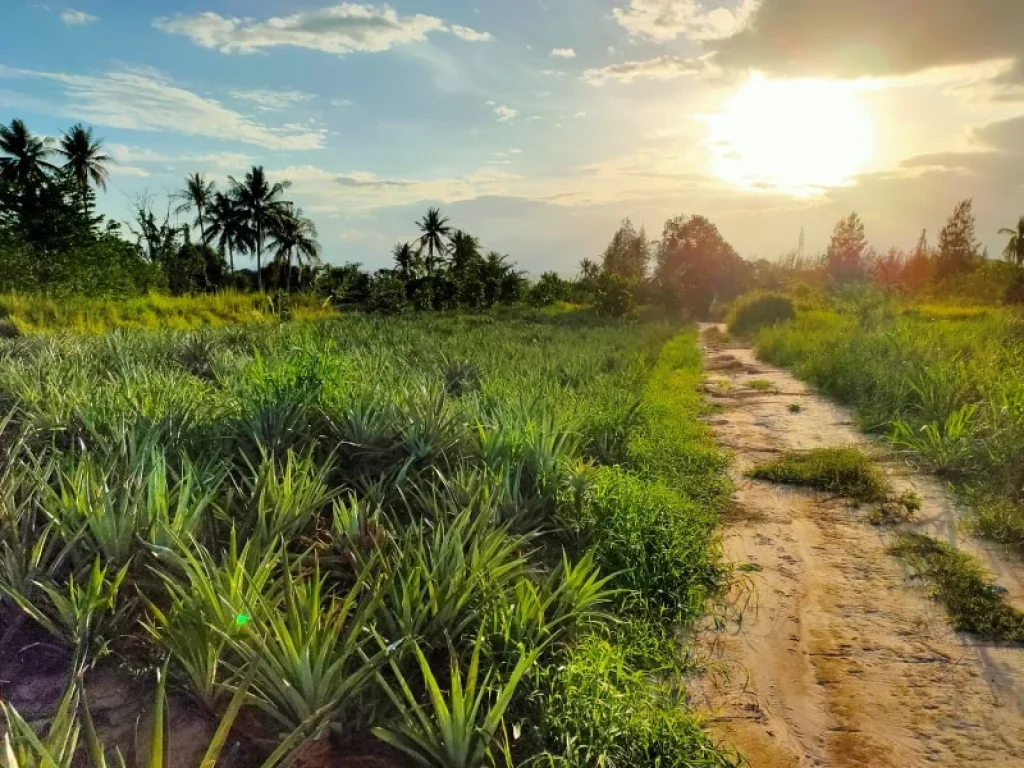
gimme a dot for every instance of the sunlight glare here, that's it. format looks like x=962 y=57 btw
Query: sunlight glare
x=791 y=136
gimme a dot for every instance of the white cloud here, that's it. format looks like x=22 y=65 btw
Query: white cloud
x=563 y=53
x=145 y=100
x=229 y=162
x=505 y=113
x=266 y=100
x=74 y=18
x=580 y=115
x=661 y=68
x=342 y=103
x=515 y=151
x=470 y=34
x=338 y=29
x=533 y=118
x=664 y=20
x=611 y=50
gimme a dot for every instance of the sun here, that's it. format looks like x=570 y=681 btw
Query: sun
x=791 y=136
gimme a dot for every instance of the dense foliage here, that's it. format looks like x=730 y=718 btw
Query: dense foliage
x=945 y=383
x=469 y=535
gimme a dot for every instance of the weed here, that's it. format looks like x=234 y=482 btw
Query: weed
x=973 y=603
x=762 y=385
x=795 y=408
x=842 y=471
x=756 y=310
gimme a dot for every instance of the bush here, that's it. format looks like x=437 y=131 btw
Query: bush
x=756 y=310
x=386 y=295
x=614 y=296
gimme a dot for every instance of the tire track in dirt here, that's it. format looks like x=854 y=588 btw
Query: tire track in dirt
x=830 y=655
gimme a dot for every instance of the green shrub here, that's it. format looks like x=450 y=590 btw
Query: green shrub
x=756 y=310
x=386 y=295
x=614 y=296
x=599 y=710
x=843 y=471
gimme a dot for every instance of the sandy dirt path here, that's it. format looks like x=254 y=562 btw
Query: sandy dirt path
x=837 y=658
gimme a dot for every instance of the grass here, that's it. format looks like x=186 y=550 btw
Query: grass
x=762 y=385
x=428 y=528
x=945 y=383
x=846 y=472
x=973 y=603
x=26 y=314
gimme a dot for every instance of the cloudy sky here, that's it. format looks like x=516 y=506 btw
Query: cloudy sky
x=539 y=124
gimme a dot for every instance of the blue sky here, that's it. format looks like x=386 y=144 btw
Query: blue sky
x=536 y=125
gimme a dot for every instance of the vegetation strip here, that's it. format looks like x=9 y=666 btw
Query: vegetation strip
x=973 y=603
x=945 y=387
x=846 y=472
x=474 y=539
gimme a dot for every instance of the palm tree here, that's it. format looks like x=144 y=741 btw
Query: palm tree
x=85 y=161
x=24 y=155
x=589 y=269
x=1014 y=250
x=293 y=235
x=261 y=202
x=407 y=261
x=227 y=227
x=197 y=195
x=435 y=229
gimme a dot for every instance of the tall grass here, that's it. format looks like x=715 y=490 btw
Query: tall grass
x=29 y=313
x=418 y=527
x=945 y=383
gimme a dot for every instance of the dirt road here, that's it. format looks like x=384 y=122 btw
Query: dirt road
x=838 y=659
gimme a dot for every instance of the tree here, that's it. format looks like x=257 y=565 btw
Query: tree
x=261 y=203
x=198 y=195
x=503 y=283
x=695 y=264
x=435 y=230
x=589 y=269
x=407 y=262
x=227 y=227
x=958 y=245
x=294 y=236
x=85 y=162
x=1014 y=250
x=465 y=268
x=628 y=253
x=23 y=162
x=844 y=259
x=157 y=240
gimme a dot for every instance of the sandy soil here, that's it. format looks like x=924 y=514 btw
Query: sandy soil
x=830 y=655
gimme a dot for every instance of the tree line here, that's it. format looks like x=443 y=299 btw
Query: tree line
x=51 y=240
x=955 y=265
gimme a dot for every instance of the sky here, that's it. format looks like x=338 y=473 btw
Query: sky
x=538 y=125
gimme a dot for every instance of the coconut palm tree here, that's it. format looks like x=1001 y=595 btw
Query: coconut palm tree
x=227 y=227
x=261 y=202
x=407 y=261
x=24 y=156
x=435 y=230
x=85 y=161
x=293 y=236
x=198 y=196
x=1014 y=250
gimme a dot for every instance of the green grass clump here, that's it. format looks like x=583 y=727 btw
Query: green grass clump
x=609 y=713
x=845 y=472
x=973 y=603
x=762 y=385
x=754 y=311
